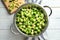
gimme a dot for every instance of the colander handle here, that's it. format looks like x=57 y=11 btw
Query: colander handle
x=13 y=30
x=50 y=10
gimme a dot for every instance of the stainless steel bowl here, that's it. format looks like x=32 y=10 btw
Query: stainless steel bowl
x=33 y=4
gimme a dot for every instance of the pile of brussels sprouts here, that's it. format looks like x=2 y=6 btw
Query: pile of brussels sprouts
x=30 y=21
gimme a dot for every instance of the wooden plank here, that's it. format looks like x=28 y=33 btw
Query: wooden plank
x=8 y=35
x=54 y=24
x=55 y=13
x=6 y=19
x=53 y=34
x=1 y=5
x=51 y=3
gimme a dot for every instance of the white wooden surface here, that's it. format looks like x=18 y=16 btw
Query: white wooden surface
x=53 y=30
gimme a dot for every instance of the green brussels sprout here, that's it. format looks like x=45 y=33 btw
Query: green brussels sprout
x=30 y=21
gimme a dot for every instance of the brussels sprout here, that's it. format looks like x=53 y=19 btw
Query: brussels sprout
x=30 y=21
x=35 y=32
